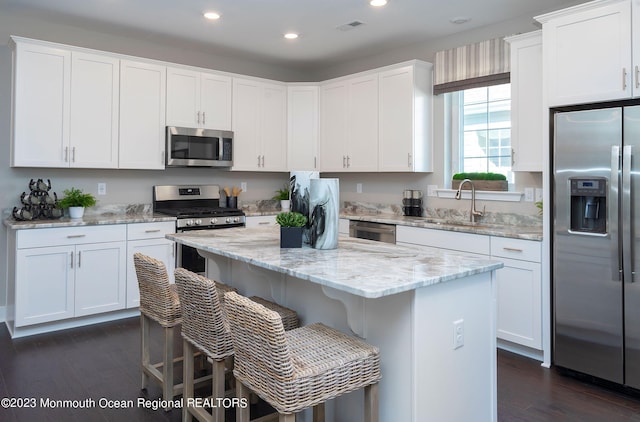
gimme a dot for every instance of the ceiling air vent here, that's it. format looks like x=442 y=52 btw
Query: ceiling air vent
x=349 y=26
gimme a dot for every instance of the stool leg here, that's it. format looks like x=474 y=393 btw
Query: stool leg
x=242 y=393
x=291 y=417
x=318 y=413
x=167 y=366
x=144 y=349
x=187 y=379
x=218 y=390
x=371 y=403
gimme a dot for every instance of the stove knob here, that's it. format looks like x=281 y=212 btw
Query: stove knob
x=236 y=220
x=198 y=222
x=228 y=220
x=189 y=223
x=213 y=221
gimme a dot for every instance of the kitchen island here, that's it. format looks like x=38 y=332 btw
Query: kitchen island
x=431 y=313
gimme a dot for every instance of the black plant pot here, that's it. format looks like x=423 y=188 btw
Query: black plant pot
x=290 y=237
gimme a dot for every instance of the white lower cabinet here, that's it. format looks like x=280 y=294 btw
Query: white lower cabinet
x=260 y=221
x=68 y=272
x=148 y=238
x=519 y=282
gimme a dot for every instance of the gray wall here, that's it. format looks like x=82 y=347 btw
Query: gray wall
x=131 y=186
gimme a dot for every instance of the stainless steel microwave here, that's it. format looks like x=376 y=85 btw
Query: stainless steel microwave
x=191 y=147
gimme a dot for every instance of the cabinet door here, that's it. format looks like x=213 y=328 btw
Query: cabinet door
x=101 y=277
x=273 y=128
x=302 y=121
x=519 y=296
x=215 y=101
x=333 y=126
x=183 y=97
x=44 y=284
x=95 y=85
x=246 y=125
x=396 y=120
x=526 y=101
x=160 y=249
x=42 y=89
x=362 y=124
x=589 y=55
x=142 y=115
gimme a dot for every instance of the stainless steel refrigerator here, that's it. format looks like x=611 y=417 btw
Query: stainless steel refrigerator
x=596 y=294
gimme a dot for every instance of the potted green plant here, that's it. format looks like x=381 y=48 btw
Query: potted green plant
x=282 y=195
x=76 y=201
x=291 y=224
x=482 y=181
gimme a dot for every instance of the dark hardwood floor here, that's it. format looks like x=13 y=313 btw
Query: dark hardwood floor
x=102 y=361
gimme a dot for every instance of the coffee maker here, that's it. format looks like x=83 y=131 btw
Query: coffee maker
x=412 y=203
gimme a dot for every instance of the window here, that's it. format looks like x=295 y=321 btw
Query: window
x=481 y=142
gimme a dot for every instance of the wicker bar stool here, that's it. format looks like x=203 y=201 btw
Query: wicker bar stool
x=158 y=302
x=297 y=369
x=204 y=328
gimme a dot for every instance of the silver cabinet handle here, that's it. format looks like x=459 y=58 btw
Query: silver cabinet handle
x=258 y=161
x=512 y=250
x=75 y=236
x=315 y=162
x=161 y=157
x=66 y=154
x=637 y=77
x=513 y=156
x=624 y=78
x=344 y=161
x=263 y=161
x=263 y=223
x=79 y=259
x=73 y=154
x=152 y=231
x=348 y=161
x=203 y=118
x=198 y=117
x=409 y=159
x=71 y=259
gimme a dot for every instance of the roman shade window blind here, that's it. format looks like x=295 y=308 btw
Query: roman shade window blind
x=481 y=64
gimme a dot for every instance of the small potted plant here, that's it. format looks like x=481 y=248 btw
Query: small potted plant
x=282 y=195
x=482 y=181
x=76 y=201
x=291 y=224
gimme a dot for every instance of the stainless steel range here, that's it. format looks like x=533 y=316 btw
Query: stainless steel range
x=196 y=207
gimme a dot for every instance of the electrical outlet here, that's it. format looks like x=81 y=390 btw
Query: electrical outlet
x=458 y=334
x=243 y=186
x=102 y=188
x=538 y=194
x=528 y=194
x=359 y=187
x=431 y=190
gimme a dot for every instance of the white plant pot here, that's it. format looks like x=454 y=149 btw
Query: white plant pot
x=76 y=212
x=285 y=204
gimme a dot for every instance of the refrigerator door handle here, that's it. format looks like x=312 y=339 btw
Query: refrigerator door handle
x=616 y=263
x=627 y=234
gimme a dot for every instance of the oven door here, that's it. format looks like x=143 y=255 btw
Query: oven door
x=189 y=259
x=189 y=147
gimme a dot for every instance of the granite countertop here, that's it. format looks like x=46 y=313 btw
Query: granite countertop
x=361 y=267
x=512 y=231
x=88 y=220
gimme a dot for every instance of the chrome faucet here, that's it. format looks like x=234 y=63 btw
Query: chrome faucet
x=474 y=213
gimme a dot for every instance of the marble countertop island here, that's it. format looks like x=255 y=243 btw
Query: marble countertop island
x=360 y=267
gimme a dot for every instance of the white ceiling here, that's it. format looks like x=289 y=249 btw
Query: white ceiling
x=255 y=28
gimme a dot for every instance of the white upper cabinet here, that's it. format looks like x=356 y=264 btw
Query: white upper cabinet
x=95 y=86
x=587 y=53
x=142 y=115
x=41 y=106
x=526 y=101
x=65 y=107
x=198 y=99
x=349 y=124
x=405 y=122
x=259 y=125
x=302 y=106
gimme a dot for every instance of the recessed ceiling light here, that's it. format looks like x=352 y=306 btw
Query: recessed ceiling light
x=212 y=15
x=378 y=3
x=291 y=35
x=458 y=20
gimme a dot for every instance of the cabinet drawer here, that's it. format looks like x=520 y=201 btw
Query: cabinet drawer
x=261 y=221
x=61 y=236
x=445 y=239
x=524 y=250
x=139 y=231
